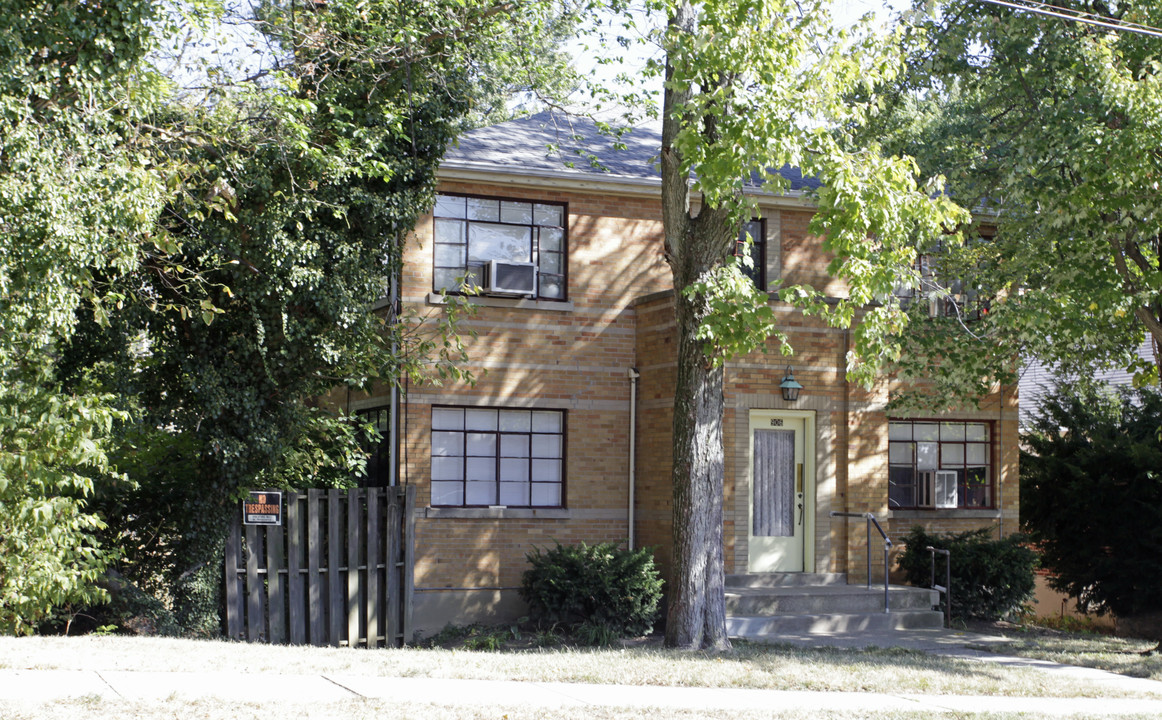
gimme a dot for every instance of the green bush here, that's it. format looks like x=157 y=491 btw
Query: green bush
x=1091 y=496
x=990 y=578
x=597 y=592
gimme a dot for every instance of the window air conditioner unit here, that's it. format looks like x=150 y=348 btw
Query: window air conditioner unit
x=502 y=277
x=945 y=490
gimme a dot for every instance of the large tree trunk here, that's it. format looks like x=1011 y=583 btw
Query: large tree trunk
x=695 y=245
x=697 y=611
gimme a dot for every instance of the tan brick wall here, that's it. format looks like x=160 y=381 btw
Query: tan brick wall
x=577 y=360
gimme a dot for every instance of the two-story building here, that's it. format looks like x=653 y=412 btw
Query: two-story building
x=565 y=435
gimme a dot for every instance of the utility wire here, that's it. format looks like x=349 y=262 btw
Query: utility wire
x=1065 y=14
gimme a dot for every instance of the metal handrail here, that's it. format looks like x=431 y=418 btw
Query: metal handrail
x=870 y=521
x=947 y=587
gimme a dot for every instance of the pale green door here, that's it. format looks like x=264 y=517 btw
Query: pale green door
x=778 y=500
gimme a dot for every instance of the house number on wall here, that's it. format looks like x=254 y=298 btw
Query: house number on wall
x=776 y=422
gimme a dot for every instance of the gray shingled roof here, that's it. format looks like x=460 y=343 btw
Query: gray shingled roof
x=522 y=145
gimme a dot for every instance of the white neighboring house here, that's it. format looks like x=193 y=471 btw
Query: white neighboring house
x=1037 y=380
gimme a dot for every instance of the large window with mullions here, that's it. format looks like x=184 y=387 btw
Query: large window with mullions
x=484 y=457
x=940 y=464
x=469 y=232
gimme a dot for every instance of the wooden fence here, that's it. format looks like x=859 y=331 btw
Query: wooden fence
x=339 y=572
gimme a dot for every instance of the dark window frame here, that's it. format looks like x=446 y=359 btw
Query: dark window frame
x=498 y=457
x=535 y=250
x=758 y=273
x=379 y=456
x=904 y=477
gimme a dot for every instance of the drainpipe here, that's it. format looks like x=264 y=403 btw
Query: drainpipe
x=998 y=442
x=633 y=376
x=393 y=419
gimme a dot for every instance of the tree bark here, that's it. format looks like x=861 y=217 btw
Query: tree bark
x=694 y=246
x=697 y=602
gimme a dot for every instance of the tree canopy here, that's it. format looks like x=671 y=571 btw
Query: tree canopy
x=1050 y=129
x=186 y=270
x=752 y=86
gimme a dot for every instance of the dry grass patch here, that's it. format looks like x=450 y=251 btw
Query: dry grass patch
x=92 y=709
x=748 y=666
x=1086 y=649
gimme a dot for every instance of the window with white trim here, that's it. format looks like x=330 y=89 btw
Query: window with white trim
x=470 y=232
x=483 y=457
x=939 y=464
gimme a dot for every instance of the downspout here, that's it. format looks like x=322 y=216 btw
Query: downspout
x=1000 y=445
x=393 y=419
x=633 y=376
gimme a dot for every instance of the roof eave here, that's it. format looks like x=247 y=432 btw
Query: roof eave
x=608 y=183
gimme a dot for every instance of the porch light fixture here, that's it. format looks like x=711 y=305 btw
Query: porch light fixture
x=790 y=386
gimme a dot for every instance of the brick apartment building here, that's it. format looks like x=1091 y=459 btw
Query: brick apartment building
x=565 y=436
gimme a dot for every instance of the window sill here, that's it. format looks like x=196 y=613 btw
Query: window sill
x=939 y=513
x=499 y=302
x=496 y=513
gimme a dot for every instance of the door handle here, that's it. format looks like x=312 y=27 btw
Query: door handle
x=800 y=510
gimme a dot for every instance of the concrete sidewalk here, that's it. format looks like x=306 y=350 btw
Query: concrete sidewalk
x=43 y=686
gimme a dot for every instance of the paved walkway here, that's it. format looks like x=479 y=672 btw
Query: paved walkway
x=44 y=686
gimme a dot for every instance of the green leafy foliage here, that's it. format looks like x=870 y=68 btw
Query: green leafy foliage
x=1091 y=496
x=184 y=274
x=1051 y=129
x=77 y=199
x=598 y=592
x=990 y=578
x=753 y=87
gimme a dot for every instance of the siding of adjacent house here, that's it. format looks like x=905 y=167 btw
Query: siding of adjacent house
x=1038 y=379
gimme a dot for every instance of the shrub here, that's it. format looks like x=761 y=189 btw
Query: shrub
x=1091 y=496
x=597 y=592
x=990 y=578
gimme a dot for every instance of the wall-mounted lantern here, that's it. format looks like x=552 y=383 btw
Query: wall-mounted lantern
x=790 y=386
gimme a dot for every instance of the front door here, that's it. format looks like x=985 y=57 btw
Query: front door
x=779 y=495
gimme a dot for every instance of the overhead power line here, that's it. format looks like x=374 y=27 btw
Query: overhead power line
x=1078 y=16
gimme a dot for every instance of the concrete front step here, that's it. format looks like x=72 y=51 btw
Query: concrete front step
x=785 y=579
x=771 y=627
x=825 y=599
x=763 y=607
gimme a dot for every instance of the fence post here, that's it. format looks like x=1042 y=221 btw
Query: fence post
x=276 y=603
x=296 y=610
x=335 y=604
x=372 y=592
x=234 y=608
x=314 y=549
x=409 y=558
x=391 y=562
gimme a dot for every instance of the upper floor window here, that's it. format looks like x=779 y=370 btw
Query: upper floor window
x=939 y=464
x=527 y=238
x=941 y=295
x=757 y=251
x=488 y=456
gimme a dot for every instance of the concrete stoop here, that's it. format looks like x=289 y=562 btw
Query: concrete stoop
x=763 y=607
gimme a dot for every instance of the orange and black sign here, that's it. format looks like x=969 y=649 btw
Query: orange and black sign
x=264 y=507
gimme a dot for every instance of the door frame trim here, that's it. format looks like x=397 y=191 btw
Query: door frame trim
x=760 y=420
